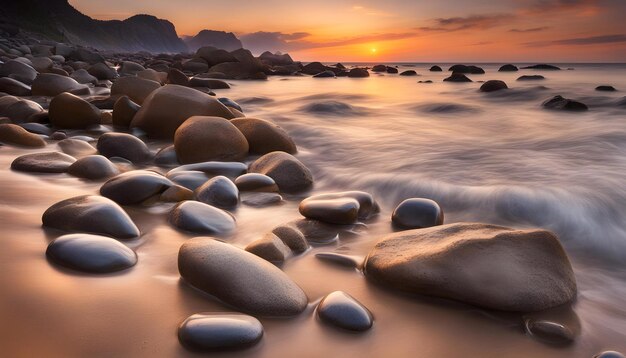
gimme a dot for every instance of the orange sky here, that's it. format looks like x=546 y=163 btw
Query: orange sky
x=401 y=30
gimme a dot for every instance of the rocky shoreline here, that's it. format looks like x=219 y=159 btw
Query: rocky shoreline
x=102 y=111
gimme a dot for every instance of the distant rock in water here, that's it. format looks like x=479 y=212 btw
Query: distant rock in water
x=379 y=68
x=218 y=39
x=493 y=85
x=542 y=66
x=606 y=88
x=457 y=77
x=475 y=70
x=444 y=108
x=331 y=108
x=566 y=104
x=508 y=68
x=435 y=69
x=456 y=261
x=531 y=78
x=408 y=73
x=358 y=72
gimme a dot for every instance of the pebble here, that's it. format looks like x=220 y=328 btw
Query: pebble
x=417 y=213
x=125 y=146
x=342 y=310
x=218 y=191
x=135 y=187
x=48 y=162
x=289 y=173
x=200 y=218
x=93 y=167
x=219 y=331
x=270 y=248
x=256 y=182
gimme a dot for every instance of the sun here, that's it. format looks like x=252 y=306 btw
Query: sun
x=373 y=50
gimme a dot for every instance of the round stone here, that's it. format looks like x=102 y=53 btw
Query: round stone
x=124 y=111
x=190 y=179
x=218 y=191
x=227 y=169
x=292 y=237
x=93 y=167
x=135 y=187
x=270 y=248
x=90 y=253
x=342 y=211
x=215 y=332
x=493 y=85
x=609 y=354
x=338 y=259
x=76 y=147
x=342 y=310
x=49 y=162
x=289 y=173
x=202 y=139
x=367 y=204
x=197 y=217
x=550 y=332
x=256 y=182
x=50 y=84
x=15 y=135
x=136 y=88
x=264 y=136
x=69 y=111
x=417 y=213
x=125 y=146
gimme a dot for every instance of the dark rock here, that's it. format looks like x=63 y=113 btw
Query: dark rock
x=217 y=332
x=91 y=214
x=134 y=187
x=435 y=69
x=93 y=167
x=230 y=103
x=325 y=74
x=417 y=213
x=264 y=136
x=125 y=146
x=288 y=172
x=549 y=332
x=227 y=169
x=49 y=162
x=542 y=67
x=466 y=69
x=339 y=259
x=214 y=56
x=239 y=278
x=457 y=77
x=208 y=82
x=124 y=111
x=101 y=71
x=292 y=237
x=90 y=253
x=130 y=68
x=367 y=204
x=379 y=68
x=36 y=128
x=166 y=157
x=609 y=354
x=190 y=179
x=408 y=73
x=341 y=211
x=218 y=191
x=508 y=68
x=531 y=78
x=50 y=84
x=69 y=111
x=565 y=104
x=19 y=110
x=136 y=88
x=177 y=77
x=176 y=194
x=258 y=199
x=256 y=182
x=14 y=87
x=342 y=310
x=276 y=59
x=454 y=261
x=76 y=147
x=269 y=248
x=606 y=88
x=18 y=71
x=314 y=68
x=358 y=73
x=493 y=85
x=83 y=77
x=201 y=218
x=392 y=70
x=13 y=134
x=201 y=139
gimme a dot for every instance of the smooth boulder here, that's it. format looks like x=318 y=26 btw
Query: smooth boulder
x=288 y=172
x=342 y=310
x=485 y=265
x=93 y=167
x=47 y=162
x=201 y=218
x=125 y=146
x=201 y=139
x=417 y=213
x=124 y=111
x=342 y=211
x=50 y=84
x=90 y=253
x=564 y=104
x=219 y=331
x=239 y=278
x=69 y=111
x=493 y=85
x=256 y=182
x=135 y=187
x=218 y=191
x=264 y=136
x=270 y=247
x=136 y=88
x=13 y=134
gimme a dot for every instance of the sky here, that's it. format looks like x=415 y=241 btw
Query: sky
x=400 y=30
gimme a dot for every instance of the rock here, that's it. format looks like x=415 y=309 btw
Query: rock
x=342 y=211
x=101 y=71
x=169 y=106
x=18 y=71
x=49 y=162
x=201 y=218
x=457 y=77
x=14 y=87
x=239 y=278
x=531 y=78
x=227 y=169
x=392 y=70
x=379 y=68
x=525 y=270
x=217 y=332
x=219 y=191
x=599 y=88
x=417 y=213
x=208 y=82
x=259 y=199
x=549 y=332
x=508 y=68
x=435 y=69
x=256 y=182
x=136 y=88
x=19 y=110
x=292 y=237
x=83 y=77
x=76 y=147
x=493 y=85
x=325 y=74
x=276 y=59
x=50 y=84
x=36 y=128
x=177 y=77
x=166 y=157
x=288 y=172
x=542 y=67
x=176 y=193
x=69 y=111
x=466 y=69
x=408 y=73
x=125 y=146
x=135 y=187
x=90 y=253
x=269 y=248
x=339 y=259
x=91 y=214
x=214 y=56
x=93 y=167
x=342 y=310
x=230 y=103
x=609 y=354
x=41 y=64
x=85 y=55
x=264 y=136
x=152 y=75
x=124 y=111
x=13 y=134
x=358 y=73
x=202 y=138
x=195 y=65
x=367 y=204
x=129 y=68
x=565 y=104
x=314 y=68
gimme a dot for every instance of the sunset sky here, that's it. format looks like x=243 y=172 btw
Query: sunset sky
x=401 y=30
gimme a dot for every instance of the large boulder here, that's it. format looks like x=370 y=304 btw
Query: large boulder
x=14 y=87
x=201 y=139
x=19 y=110
x=264 y=136
x=18 y=70
x=135 y=187
x=358 y=73
x=493 y=85
x=481 y=264
x=288 y=172
x=136 y=88
x=130 y=68
x=564 y=104
x=90 y=253
x=214 y=56
x=47 y=162
x=165 y=109
x=82 y=76
x=69 y=111
x=15 y=135
x=239 y=278
x=124 y=111
x=101 y=71
x=50 y=84
x=125 y=146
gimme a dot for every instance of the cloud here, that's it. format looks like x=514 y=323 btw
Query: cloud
x=544 y=6
x=593 y=40
x=480 y=22
x=534 y=29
